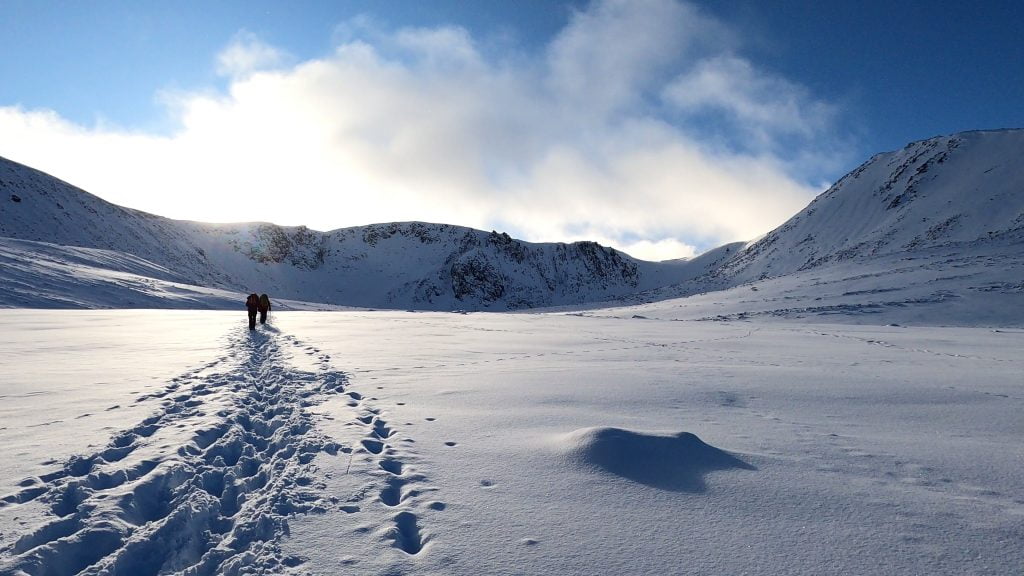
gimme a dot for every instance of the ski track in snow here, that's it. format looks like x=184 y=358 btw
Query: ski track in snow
x=206 y=484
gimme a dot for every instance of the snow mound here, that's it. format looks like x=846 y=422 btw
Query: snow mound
x=676 y=462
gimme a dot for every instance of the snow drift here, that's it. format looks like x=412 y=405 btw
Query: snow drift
x=676 y=462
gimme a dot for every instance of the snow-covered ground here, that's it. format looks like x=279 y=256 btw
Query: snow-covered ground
x=151 y=442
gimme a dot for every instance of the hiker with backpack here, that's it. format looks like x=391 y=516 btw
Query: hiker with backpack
x=252 y=304
x=264 y=308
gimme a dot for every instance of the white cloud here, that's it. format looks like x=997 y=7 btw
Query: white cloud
x=419 y=124
x=247 y=54
x=760 y=106
x=610 y=54
x=667 y=249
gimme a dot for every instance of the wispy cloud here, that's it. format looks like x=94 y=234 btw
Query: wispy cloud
x=246 y=54
x=755 y=103
x=595 y=137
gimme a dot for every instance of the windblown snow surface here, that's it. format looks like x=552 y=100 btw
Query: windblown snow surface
x=177 y=442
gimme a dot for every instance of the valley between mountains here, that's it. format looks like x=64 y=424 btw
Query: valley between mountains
x=839 y=396
x=930 y=233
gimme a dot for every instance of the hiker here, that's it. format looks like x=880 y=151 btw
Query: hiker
x=264 y=307
x=252 y=303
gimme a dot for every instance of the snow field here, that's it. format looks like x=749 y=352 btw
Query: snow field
x=84 y=371
x=430 y=443
x=872 y=450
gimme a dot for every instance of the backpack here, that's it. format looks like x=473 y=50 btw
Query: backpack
x=252 y=301
x=264 y=302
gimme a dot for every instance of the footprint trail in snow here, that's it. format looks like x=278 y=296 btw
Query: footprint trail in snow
x=206 y=484
x=396 y=492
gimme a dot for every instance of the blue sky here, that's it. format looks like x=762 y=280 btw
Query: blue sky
x=661 y=127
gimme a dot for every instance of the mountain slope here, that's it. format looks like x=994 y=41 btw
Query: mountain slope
x=44 y=275
x=942 y=192
x=36 y=206
x=930 y=234
x=397 y=265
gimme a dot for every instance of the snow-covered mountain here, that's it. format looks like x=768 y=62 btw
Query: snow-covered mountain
x=932 y=233
x=395 y=265
x=960 y=191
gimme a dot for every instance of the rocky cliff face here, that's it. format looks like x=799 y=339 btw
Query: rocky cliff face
x=451 y=267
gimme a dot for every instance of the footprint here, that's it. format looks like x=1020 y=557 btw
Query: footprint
x=26 y=495
x=88 y=546
x=392 y=494
x=381 y=430
x=66 y=503
x=145 y=430
x=407 y=534
x=47 y=533
x=373 y=446
x=112 y=455
x=392 y=466
x=79 y=465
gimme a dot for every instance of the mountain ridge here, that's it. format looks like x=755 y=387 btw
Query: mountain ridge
x=891 y=188
x=936 y=226
x=932 y=233
x=392 y=265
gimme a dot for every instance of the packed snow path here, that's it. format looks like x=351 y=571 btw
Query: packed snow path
x=207 y=484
